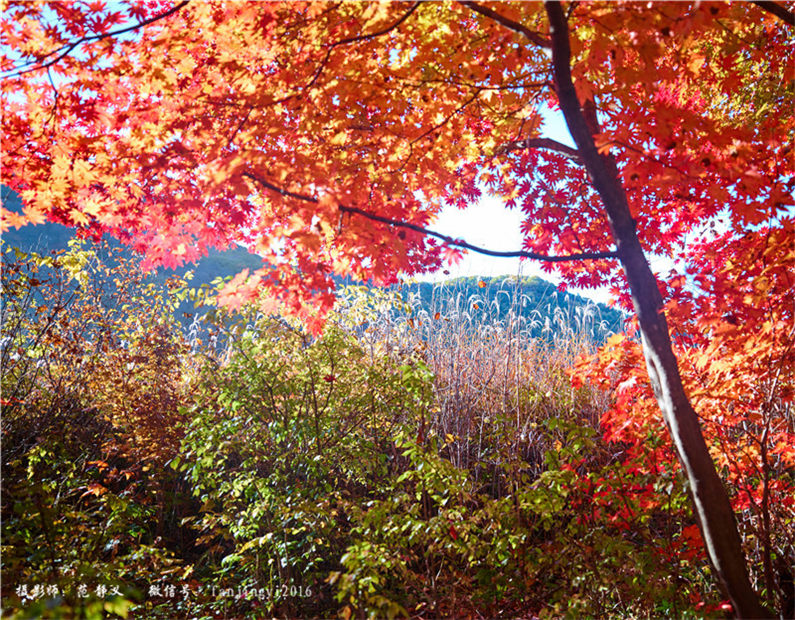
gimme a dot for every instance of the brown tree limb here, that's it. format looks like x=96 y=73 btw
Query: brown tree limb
x=530 y=35
x=788 y=17
x=446 y=120
x=711 y=502
x=66 y=49
x=540 y=143
x=450 y=241
x=363 y=37
x=378 y=33
x=468 y=246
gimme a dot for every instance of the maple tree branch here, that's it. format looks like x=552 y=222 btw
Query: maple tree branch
x=54 y=110
x=239 y=127
x=788 y=17
x=262 y=106
x=450 y=241
x=540 y=143
x=468 y=246
x=68 y=47
x=279 y=190
x=534 y=37
x=379 y=33
x=362 y=37
x=447 y=118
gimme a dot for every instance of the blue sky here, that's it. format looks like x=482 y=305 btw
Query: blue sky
x=491 y=225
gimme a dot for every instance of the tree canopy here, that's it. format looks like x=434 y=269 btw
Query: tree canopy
x=326 y=136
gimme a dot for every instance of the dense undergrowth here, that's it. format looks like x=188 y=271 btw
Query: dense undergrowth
x=406 y=463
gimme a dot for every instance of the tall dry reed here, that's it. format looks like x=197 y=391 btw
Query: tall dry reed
x=495 y=382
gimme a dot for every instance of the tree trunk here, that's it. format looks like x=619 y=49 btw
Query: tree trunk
x=710 y=500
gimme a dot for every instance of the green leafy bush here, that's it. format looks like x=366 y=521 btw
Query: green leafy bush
x=285 y=438
x=84 y=424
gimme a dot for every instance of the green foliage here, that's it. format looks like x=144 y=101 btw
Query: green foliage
x=400 y=465
x=284 y=437
x=434 y=542
x=78 y=506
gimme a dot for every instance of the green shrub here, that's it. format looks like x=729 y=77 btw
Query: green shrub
x=84 y=427
x=285 y=438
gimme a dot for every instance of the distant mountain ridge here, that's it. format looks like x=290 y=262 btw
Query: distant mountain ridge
x=48 y=237
x=538 y=303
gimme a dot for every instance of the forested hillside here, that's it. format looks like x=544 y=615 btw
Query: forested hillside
x=48 y=236
x=542 y=308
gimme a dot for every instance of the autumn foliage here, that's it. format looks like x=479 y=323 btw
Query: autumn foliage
x=209 y=126
x=327 y=137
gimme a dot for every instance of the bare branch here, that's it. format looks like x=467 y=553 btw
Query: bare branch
x=532 y=36
x=450 y=241
x=541 y=143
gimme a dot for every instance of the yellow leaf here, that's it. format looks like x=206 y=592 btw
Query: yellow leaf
x=339 y=139
x=186 y=65
x=695 y=63
x=60 y=166
x=78 y=217
x=95 y=489
x=81 y=172
x=35 y=216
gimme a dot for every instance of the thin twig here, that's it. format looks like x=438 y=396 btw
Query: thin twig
x=363 y=37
